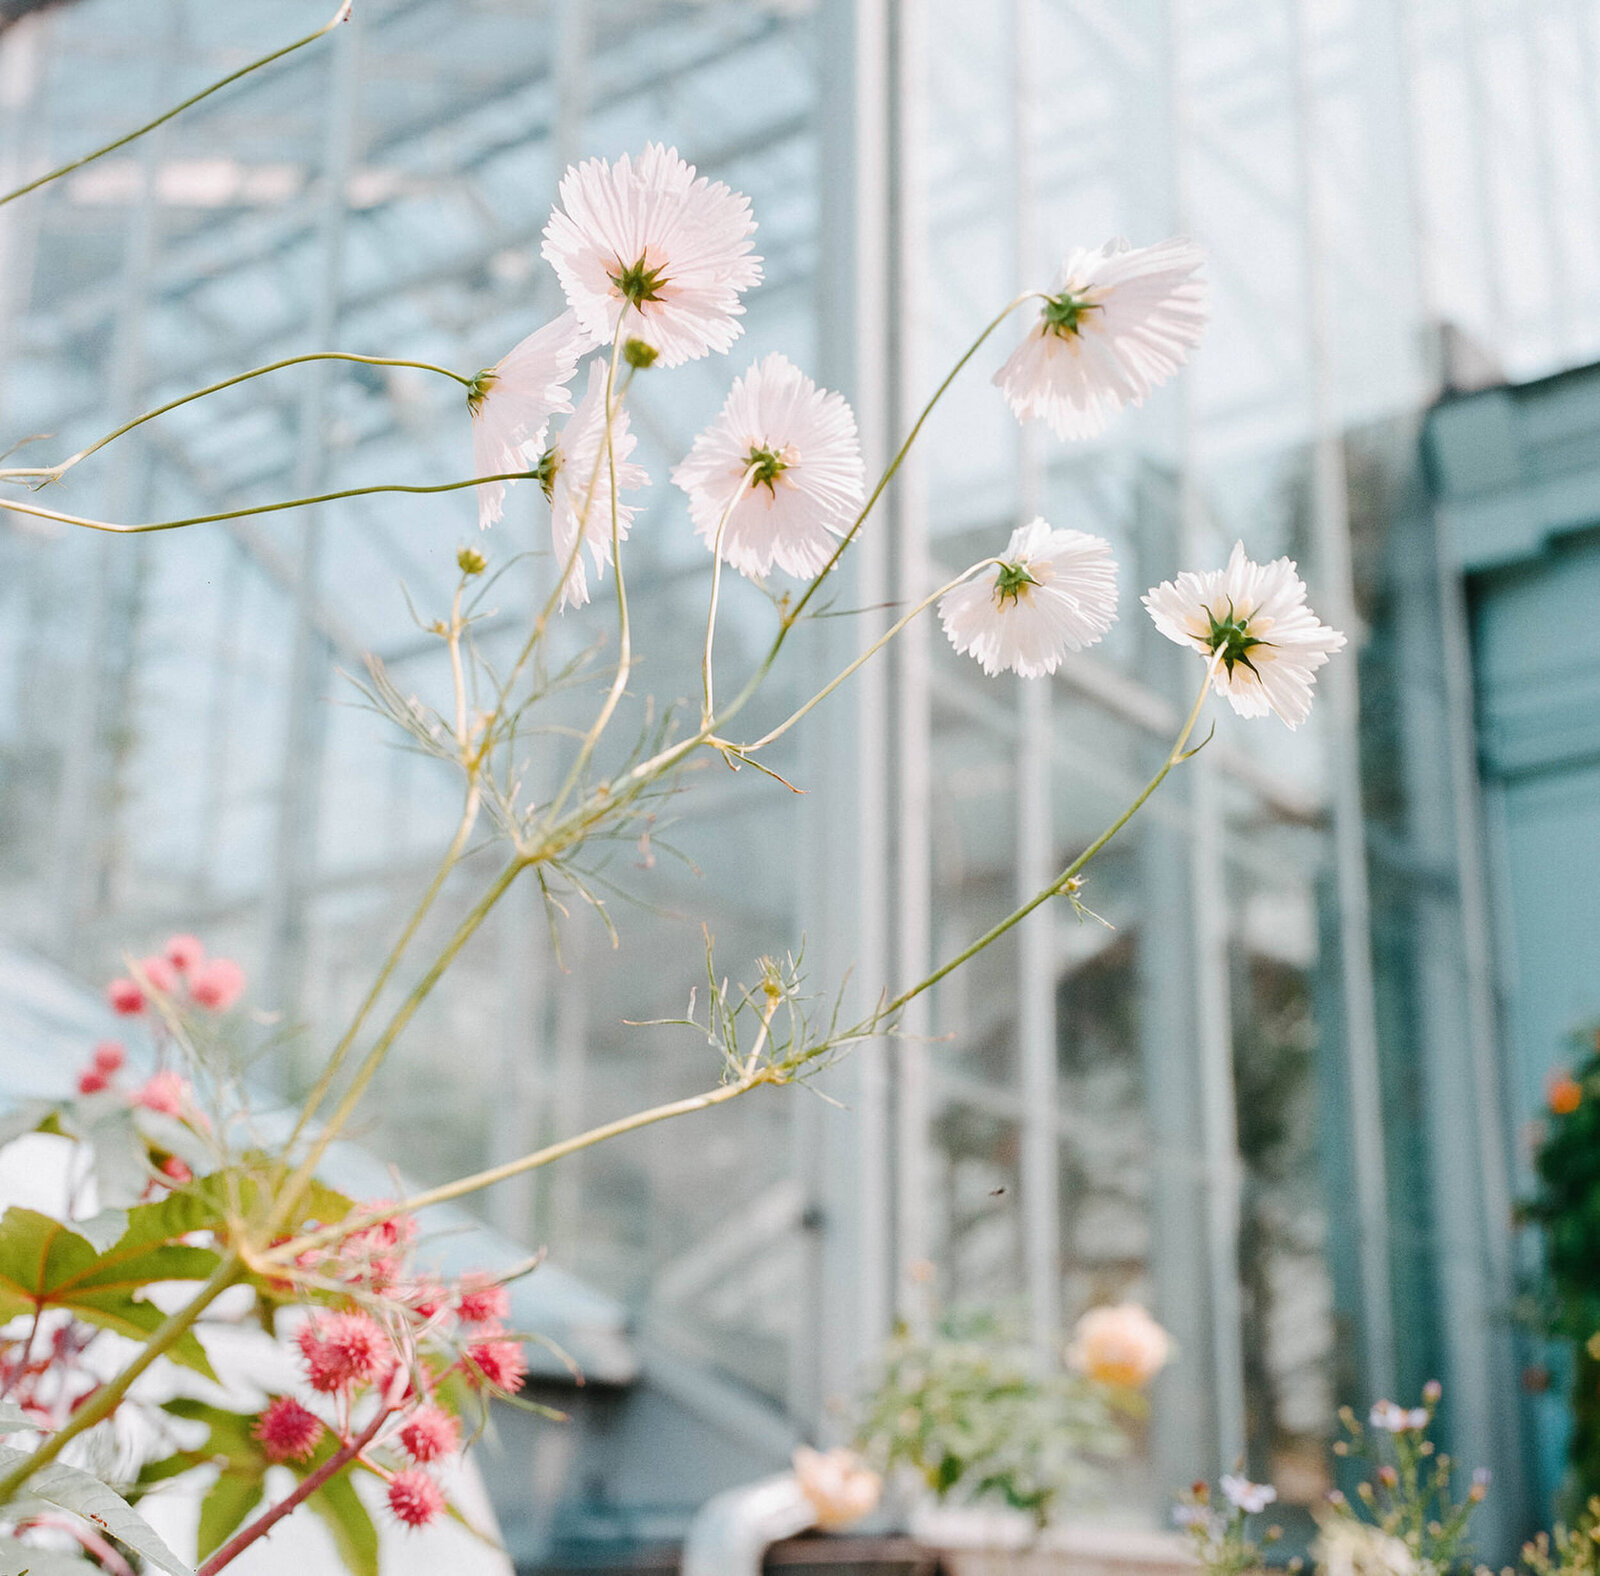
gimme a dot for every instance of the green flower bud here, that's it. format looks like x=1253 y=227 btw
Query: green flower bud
x=471 y=562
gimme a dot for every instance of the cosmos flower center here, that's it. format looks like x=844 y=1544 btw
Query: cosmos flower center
x=639 y=282
x=478 y=389
x=764 y=466
x=1012 y=582
x=1235 y=637
x=546 y=470
x=1063 y=314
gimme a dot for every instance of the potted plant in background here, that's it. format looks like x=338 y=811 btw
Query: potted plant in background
x=999 y=1443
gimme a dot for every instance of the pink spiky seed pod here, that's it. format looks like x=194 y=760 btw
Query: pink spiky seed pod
x=414 y=1497
x=430 y=1434
x=287 y=1431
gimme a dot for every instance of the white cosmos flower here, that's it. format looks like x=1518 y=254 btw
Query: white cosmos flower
x=1256 y=614
x=1121 y=321
x=1053 y=592
x=1251 y=1498
x=577 y=461
x=512 y=403
x=787 y=452
x=646 y=243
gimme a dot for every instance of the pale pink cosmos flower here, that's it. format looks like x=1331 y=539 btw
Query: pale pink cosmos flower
x=1255 y=615
x=217 y=983
x=1053 y=592
x=1120 y=322
x=512 y=403
x=646 y=245
x=575 y=473
x=782 y=462
x=164 y=1092
x=1251 y=1498
x=840 y=1486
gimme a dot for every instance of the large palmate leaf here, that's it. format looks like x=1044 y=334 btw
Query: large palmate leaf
x=85 y=1495
x=46 y=1264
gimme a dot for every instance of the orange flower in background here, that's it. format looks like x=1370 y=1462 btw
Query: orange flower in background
x=1566 y=1095
x=1119 y=1346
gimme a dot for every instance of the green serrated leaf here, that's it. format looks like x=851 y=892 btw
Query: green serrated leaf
x=46 y=1264
x=222 y=1512
x=342 y=1512
x=85 y=1495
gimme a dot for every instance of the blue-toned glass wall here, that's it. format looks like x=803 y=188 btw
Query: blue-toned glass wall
x=1357 y=169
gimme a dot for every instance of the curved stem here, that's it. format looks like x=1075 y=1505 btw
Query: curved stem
x=707 y=684
x=341 y=1051
x=341 y=15
x=287 y=1251
x=55 y=472
x=302 y=1491
x=865 y=657
x=792 y=616
x=624 y=633
x=1062 y=882
x=374 y=1058
x=104 y=1401
x=254 y=509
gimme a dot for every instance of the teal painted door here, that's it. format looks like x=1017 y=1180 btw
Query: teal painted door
x=1537 y=662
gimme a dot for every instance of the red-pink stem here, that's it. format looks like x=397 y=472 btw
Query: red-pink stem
x=268 y=1519
x=90 y=1539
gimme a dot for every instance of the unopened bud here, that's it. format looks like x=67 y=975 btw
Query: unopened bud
x=471 y=562
x=1388 y=1476
x=1431 y=1392
x=638 y=354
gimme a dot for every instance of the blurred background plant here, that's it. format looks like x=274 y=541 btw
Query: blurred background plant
x=1564 y=1303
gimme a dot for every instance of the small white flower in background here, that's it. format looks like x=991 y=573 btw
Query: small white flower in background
x=1120 y=322
x=1256 y=615
x=1251 y=1498
x=841 y=1487
x=512 y=403
x=1053 y=592
x=788 y=452
x=568 y=468
x=646 y=243
x=1347 y=1547
x=1197 y=1517
x=1119 y=1345
x=1395 y=1419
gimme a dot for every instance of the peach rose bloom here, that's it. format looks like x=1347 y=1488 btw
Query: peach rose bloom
x=842 y=1488
x=1121 y=1346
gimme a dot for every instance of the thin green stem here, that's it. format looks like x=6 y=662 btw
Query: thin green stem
x=55 y=472
x=341 y=1051
x=624 y=632
x=865 y=657
x=707 y=682
x=341 y=15
x=253 y=509
x=391 y=1032
x=287 y=1251
x=104 y=1401
x=793 y=615
x=1062 y=882
x=297 y=1496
